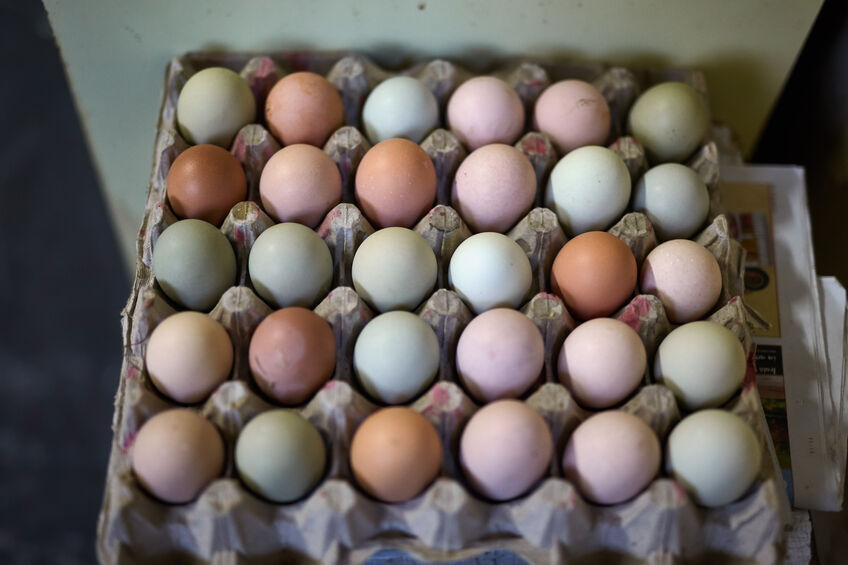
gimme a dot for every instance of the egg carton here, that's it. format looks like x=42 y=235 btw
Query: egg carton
x=337 y=522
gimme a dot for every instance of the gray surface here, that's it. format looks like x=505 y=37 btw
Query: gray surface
x=62 y=287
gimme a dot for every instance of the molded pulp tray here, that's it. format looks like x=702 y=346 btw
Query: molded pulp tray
x=337 y=522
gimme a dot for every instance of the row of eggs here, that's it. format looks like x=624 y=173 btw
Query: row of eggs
x=670 y=119
x=594 y=273
x=495 y=185
x=505 y=449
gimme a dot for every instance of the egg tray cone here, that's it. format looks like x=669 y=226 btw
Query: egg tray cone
x=337 y=522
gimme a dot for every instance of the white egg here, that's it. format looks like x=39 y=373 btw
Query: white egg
x=290 y=265
x=213 y=105
x=670 y=120
x=394 y=269
x=589 y=189
x=489 y=270
x=400 y=107
x=674 y=198
x=714 y=455
x=396 y=356
x=702 y=363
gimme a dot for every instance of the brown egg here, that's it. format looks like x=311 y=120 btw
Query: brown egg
x=595 y=274
x=204 y=183
x=303 y=108
x=292 y=354
x=395 y=454
x=176 y=454
x=300 y=183
x=395 y=183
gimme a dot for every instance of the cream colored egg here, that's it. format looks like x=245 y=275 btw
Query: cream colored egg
x=394 y=269
x=703 y=363
x=213 y=105
x=189 y=354
x=670 y=120
x=715 y=456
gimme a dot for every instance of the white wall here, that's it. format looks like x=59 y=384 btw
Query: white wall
x=116 y=51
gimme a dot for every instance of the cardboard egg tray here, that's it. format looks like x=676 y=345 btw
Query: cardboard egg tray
x=337 y=522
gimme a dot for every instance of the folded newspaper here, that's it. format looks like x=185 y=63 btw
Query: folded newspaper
x=800 y=364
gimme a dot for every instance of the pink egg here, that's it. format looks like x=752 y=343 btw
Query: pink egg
x=176 y=454
x=686 y=278
x=574 y=113
x=188 y=355
x=500 y=354
x=505 y=449
x=494 y=187
x=611 y=457
x=601 y=362
x=485 y=110
x=300 y=183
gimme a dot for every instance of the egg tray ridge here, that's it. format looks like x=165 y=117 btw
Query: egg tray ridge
x=337 y=522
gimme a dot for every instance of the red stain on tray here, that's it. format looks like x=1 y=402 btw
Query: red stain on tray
x=440 y=396
x=750 y=374
x=128 y=442
x=133 y=372
x=635 y=311
x=533 y=144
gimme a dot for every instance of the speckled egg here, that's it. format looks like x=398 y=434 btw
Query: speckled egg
x=484 y=110
x=494 y=187
x=686 y=278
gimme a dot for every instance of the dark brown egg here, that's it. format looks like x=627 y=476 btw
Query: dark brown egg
x=204 y=183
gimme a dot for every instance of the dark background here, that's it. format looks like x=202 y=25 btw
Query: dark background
x=63 y=285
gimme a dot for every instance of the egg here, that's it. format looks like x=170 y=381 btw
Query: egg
x=484 y=110
x=303 y=107
x=400 y=107
x=394 y=269
x=601 y=362
x=686 y=278
x=573 y=113
x=204 y=183
x=702 y=363
x=176 y=454
x=300 y=183
x=395 y=454
x=670 y=119
x=395 y=183
x=505 y=449
x=494 y=187
x=188 y=356
x=500 y=354
x=280 y=456
x=589 y=189
x=611 y=457
x=290 y=265
x=674 y=198
x=194 y=264
x=489 y=270
x=396 y=356
x=714 y=455
x=213 y=105
x=594 y=274
x=292 y=354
